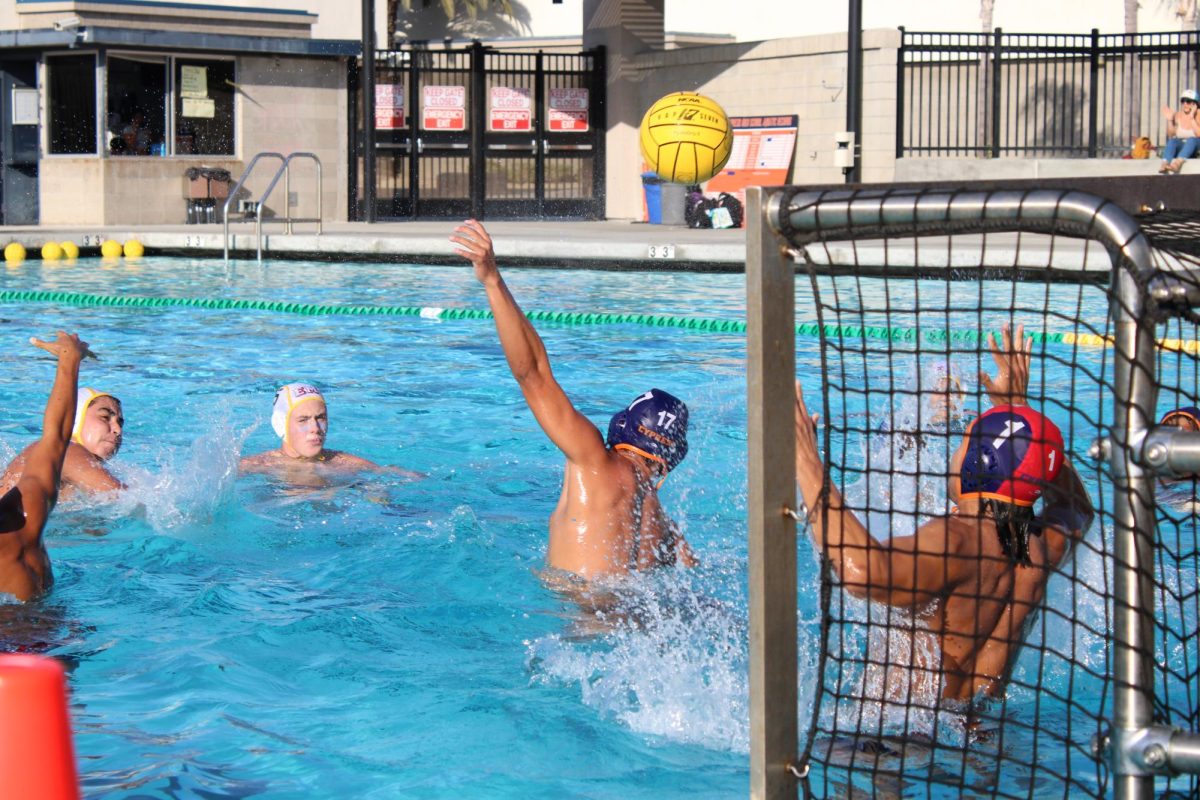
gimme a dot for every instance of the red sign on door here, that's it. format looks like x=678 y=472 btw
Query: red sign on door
x=568 y=109
x=389 y=106
x=443 y=108
x=509 y=109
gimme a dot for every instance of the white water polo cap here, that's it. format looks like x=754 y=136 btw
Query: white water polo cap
x=82 y=400
x=286 y=400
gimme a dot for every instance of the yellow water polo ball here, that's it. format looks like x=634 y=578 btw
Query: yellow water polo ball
x=14 y=251
x=134 y=249
x=686 y=138
x=69 y=249
x=110 y=249
x=51 y=251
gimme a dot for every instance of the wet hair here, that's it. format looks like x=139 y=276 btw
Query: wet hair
x=1013 y=525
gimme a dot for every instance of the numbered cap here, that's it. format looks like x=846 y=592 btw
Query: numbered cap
x=1012 y=452
x=654 y=425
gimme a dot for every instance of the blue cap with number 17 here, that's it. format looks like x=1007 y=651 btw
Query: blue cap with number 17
x=654 y=425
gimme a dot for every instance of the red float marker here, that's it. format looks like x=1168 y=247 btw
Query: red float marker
x=36 y=756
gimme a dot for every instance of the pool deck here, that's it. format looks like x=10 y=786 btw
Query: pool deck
x=605 y=244
x=618 y=245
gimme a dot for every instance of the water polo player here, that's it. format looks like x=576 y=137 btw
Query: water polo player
x=25 y=506
x=608 y=519
x=300 y=419
x=974 y=575
x=95 y=438
x=1185 y=418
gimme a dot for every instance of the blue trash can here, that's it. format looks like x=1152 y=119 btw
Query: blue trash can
x=652 y=186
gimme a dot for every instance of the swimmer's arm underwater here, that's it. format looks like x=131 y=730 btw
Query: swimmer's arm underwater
x=572 y=432
x=906 y=571
x=1066 y=504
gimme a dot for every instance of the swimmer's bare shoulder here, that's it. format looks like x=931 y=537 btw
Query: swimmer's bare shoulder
x=262 y=462
x=81 y=470
x=345 y=462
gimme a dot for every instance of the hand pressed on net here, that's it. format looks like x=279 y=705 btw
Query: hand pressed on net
x=1012 y=367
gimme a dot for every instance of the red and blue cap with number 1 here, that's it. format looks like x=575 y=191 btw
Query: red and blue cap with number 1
x=1012 y=453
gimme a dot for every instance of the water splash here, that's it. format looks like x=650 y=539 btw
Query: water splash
x=186 y=485
x=670 y=662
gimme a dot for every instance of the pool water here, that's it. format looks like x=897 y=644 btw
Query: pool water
x=230 y=637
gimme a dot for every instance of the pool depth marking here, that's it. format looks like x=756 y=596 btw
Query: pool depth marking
x=562 y=317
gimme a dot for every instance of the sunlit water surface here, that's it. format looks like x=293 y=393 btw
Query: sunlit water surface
x=231 y=637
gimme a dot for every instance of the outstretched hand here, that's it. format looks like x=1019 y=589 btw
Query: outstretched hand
x=807 y=452
x=65 y=346
x=1012 y=367
x=1168 y=112
x=475 y=245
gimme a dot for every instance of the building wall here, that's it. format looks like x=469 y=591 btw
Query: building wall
x=285 y=105
x=784 y=76
x=297 y=105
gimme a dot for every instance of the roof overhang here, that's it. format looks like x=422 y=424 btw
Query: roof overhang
x=178 y=40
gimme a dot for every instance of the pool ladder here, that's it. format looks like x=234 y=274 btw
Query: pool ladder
x=283 y=171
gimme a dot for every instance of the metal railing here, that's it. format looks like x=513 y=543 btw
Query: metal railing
x=1021 y=94
x=283 y=171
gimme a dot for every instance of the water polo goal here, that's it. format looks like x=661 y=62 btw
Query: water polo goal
x=888 y=295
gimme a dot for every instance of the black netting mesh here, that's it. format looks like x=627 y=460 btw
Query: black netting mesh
x=910 y=700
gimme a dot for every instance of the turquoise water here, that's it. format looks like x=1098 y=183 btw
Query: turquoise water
x=231 y=637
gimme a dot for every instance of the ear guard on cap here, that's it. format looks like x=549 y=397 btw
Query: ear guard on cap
x=654 y=426
x=1012 y=453
x=84 y=399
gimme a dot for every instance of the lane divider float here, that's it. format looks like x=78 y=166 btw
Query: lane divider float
x=560 y=317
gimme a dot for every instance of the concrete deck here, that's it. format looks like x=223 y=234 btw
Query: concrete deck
x=606 y=245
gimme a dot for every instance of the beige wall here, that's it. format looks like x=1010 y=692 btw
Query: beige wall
x=805 y=76
x=292 y=105
x=286 y=105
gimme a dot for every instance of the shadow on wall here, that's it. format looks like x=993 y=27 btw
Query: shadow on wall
x=659 y=77
x=428 y=20
x=1048 y=121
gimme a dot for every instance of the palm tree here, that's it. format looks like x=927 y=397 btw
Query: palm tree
x=436 y=19
x=1133 y=76
x=987 y=10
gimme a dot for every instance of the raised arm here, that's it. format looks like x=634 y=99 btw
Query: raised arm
x=571 y=432
x=1169 y=114
x=44 y=460
x=906 y=571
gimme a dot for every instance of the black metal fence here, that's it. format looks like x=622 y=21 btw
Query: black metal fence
x=1033 y=94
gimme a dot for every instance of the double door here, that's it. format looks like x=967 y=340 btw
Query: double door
x=473 y=132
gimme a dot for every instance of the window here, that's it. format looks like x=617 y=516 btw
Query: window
x=137 y=117
x=72 y=101
x=203 y=107
x=157 y=105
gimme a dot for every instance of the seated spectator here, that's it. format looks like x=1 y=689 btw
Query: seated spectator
x=1182 y=128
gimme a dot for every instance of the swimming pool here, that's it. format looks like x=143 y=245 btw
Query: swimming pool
x=229 y=637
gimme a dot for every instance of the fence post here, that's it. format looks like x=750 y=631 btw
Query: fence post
x=478 y=110
x=995 y=90
x=368 y=116
x=1094 y=94
x=900 y=96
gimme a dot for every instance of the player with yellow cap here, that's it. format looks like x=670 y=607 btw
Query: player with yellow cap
x=96 y=437
x=301 y=421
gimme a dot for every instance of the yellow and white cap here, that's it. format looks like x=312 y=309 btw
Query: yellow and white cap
x=82 y=400
x=286 y=400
